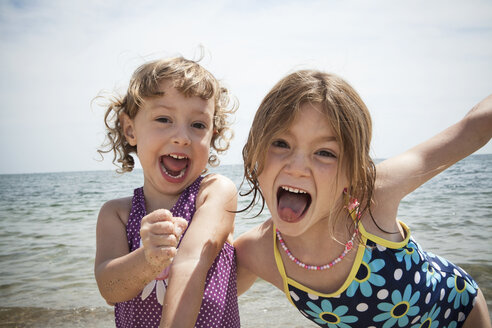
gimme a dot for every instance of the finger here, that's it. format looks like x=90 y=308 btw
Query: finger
x=159 y=215
x=148 y=230
x=161 y=228
x=180 y=226
x=159 y=241
x=168 y=252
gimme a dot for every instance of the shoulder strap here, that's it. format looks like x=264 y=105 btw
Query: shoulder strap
x=280 y=265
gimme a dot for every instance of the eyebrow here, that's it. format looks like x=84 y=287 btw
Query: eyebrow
x=172 y=108
x=160 y=105
x=329 y=138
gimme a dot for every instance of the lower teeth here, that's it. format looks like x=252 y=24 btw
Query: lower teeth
x=181 y=173
x=177 y=176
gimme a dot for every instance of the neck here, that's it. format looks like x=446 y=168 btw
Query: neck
x=155 y=200
x=320 y=243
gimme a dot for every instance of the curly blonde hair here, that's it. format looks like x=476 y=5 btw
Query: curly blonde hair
x=189 y=78
x=340 y=103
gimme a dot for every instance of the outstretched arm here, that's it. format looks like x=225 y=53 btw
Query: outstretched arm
x=400 y=175
x=212 y=225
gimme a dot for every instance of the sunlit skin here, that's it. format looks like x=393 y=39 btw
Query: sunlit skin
x=172 y=134
x=305 y=159
x=171 y=125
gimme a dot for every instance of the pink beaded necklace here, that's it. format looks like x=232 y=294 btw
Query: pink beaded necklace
x=348 y=246
x=354 y=205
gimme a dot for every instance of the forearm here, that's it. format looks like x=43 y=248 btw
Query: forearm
x=213 y=224
x=123 y=278
x=184 y=294
x=458 y=141
x=402 y=174
x=478 y=122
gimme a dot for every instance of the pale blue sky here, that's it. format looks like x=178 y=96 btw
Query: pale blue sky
x=419 y=65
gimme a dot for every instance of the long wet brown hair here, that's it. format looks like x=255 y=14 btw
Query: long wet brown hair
x=346 y=112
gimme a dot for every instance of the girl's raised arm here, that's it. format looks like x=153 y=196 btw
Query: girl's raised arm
x=212 y=226
x=400 y=175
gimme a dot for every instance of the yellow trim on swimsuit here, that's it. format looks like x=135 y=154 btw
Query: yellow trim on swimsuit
x=286 y=280
x=353 y=271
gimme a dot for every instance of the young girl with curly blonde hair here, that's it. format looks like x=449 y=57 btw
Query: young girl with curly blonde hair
x=174 y=118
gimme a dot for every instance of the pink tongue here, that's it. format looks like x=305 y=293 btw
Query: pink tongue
x=291 y=206
x=174 y=164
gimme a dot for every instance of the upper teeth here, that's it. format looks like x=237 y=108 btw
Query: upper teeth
x=177 y=156
x=294 y=190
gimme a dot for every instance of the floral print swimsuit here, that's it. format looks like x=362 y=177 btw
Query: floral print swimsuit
x=390 y=285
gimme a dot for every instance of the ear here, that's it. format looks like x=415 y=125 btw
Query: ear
x=128 y=129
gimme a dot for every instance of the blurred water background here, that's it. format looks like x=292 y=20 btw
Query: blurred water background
x=47 y=242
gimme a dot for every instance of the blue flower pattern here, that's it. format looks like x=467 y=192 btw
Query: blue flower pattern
x=461 y=290
x=432 y=277
x=452 y=324
x=408 y=254
x=327 y=316
x=367 y=276
x=400 y=309
x=402 y=287
x=429 y=319
x=441 y=259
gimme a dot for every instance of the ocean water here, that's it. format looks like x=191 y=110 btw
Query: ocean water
x=47 y=242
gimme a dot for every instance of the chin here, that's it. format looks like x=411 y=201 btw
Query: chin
x=292 y=229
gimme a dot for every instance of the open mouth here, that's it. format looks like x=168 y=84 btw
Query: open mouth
x=174 y=166
x=292 y=203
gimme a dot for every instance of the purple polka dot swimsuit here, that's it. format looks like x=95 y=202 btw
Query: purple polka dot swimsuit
x=219 y=306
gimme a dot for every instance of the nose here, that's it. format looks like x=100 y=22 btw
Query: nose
x=181 y=136
x=297 y=165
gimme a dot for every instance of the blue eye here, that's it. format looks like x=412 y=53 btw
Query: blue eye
x=280 y=144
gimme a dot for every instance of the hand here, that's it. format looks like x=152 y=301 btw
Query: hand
x=160 y=233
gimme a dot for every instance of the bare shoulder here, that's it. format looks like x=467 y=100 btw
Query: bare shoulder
x=254 y=239
x=218 y=188
x=217 y=182
x=116 y=209
x=479 y=316
x=111 y=237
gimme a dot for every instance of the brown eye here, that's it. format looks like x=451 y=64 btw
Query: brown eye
x=199 y=125
x=326 y=153
x=163 y=119
x=280 y=144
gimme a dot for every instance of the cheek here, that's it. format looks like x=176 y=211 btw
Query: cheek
x=265 y=182
x=265 y=186
x=343 y=181
x=204 y=140
x=271 y=161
